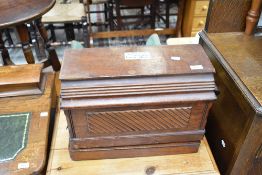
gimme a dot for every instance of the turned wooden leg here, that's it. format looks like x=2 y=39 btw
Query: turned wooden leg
x=4 y=52
x=52 y=57
x=37 y=41
x=181 y=5
x=24 y=37
x=253 y=16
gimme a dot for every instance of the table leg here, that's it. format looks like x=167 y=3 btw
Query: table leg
x=52 y=57
x=24 y=37
x=181 y=5
x=4 y=52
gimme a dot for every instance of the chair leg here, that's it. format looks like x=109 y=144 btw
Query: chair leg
x=4 y=52
x=52 y=31
x=24 y=37
x=167 y=13
x=111 y=16
x=118 y=16
x=85 y=32
x=70 y=34
x=37 y=41
x=8 y=36
x=153 y=14
x=253 y=16
x=181 y=5
x=105 y=12
x=52 y=57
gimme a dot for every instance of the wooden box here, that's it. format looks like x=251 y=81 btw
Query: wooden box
x=21 y=80
x=136 y=101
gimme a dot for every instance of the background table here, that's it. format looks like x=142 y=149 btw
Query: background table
x=15 y=13
x=60 y=163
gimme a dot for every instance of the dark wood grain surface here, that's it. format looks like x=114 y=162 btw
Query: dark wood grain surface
x=244 y=56
x=235 y=120
x=118 y=107
x=227 y=16
x=13 y=12
x=110 y=62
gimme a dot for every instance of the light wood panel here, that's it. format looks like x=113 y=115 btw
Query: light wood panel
x=194 y=16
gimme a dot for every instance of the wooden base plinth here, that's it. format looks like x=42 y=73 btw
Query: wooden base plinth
x=199 y=163
x=133 y=151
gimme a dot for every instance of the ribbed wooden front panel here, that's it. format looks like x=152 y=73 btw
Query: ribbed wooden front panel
x=137 y=120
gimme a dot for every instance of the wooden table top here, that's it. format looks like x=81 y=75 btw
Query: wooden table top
x=200 y=163
x=243 y=54
x=115 y=62
x=13 y=12
x=34 y=154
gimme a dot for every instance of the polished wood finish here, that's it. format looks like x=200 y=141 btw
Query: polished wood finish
x=28 y=80
x=194 y=17
x=15 y=12
x=253 y=16
x=24 y=37
x=227 y=16
x=235 y=121
x=199 y=163
x=35 y=153
x=77 y=63
x=127 y=108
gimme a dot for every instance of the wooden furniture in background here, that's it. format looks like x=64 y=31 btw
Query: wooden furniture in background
x=144 y=32
x=34 y=155
x=105 y=93
x=235 y=121
x=21 y=80
x=21 y=13
x=68 y=14
x=122 y=21
x=194 y=17
x=199 y=163
x=253 y=16
x=227 y=16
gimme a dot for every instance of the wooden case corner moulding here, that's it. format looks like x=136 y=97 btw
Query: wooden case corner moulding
x=136 y=101
x=21 y=80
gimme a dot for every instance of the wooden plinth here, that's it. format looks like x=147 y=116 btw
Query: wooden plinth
x=60 y=162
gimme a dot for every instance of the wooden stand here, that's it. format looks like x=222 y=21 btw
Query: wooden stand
x=200 y=163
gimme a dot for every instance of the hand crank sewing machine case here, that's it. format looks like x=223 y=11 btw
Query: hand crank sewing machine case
x=136 y=101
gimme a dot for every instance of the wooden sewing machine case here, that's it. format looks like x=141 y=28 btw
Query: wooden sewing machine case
x=136 y=101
